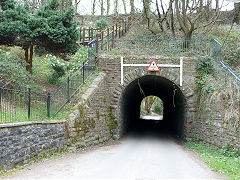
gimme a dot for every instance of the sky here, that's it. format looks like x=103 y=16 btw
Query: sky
x=86 y=6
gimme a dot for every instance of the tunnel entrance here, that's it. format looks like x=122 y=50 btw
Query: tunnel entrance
x=173 y=105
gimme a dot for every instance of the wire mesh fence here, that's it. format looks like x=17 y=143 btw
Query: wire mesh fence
x=163 y=45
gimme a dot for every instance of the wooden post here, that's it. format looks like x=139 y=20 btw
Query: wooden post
x=125 y=24
x=83 y=34
x=102 y=34
x=107 y=39
x=120 y=31
x=97 y=41
x=80 y=34
x=92 y=34
x=116 y=30
x=113 y=37
x=89 y=34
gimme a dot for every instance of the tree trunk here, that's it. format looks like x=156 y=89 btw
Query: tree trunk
x=76 y=6
x=236 y=13
x=132 y=7
x=93 y=7
x=146 y=10
x=26 y=59
x=124 y=6
x=149 y=101
x=171 y=18
x=102 y=8
x=116 y=7
x=31 y=58
x=187 y=38
x=108 y=7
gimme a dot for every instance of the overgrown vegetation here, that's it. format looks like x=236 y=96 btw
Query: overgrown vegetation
x=217 y=88
x=12 y=69
x=101 y=24
x=225 y=160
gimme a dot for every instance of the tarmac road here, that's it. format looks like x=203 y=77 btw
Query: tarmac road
x=134 y=157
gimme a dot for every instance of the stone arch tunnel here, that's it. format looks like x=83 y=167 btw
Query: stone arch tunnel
x=173 y=102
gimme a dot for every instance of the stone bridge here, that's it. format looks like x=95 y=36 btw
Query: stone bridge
x=115 y=108
x=118 y=106
x=109 y=110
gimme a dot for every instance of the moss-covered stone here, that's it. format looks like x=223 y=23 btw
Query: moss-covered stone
x=112 y=123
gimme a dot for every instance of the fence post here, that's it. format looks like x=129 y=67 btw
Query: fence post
x=119 y=31
x=107 y=39
x=113 y=37
x=68 y=92
x=122 y=29
x=125 y=24
x=116 y=30
x=80 y=34
x=0 y=93
x=48 y=104
x=92 y=34
x=83 y=34
x=97 y=43
x=89 y=34
x=102 y=34
x=29 y=103
x=83 y=71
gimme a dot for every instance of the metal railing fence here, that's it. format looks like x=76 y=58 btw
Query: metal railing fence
x=23 y=104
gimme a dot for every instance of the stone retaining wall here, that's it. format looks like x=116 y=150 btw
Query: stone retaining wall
x=21 y=142
x=92 y=122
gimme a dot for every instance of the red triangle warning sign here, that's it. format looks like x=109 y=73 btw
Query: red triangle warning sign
x=153 y=66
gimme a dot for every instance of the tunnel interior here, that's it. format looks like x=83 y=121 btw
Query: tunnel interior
x=173 y=103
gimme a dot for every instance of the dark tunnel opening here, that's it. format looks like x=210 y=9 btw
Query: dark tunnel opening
x=173 y=103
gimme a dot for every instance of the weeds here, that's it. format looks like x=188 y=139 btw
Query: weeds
x=225 y=160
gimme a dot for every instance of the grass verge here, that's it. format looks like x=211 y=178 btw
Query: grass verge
x=225 y=160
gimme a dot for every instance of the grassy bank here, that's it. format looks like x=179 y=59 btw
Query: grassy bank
x=225 y=160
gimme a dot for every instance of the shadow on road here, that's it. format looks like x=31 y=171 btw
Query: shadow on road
x=151 y=129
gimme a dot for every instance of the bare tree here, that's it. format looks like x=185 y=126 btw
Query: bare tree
x=93 y=7
x=124 y=6
x=76 y=4
x=102 y=7
x=162 y=17
x=116 y=7
x=171 y=19
x=189 y=15
x=146 y=10
x=108 y=7
x=132 y=7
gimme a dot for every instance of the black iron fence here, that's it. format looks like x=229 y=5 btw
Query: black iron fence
x=24 y=104
x=21 y=104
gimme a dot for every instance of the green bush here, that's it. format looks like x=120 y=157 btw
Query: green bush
x=205 y=66
x=158 y=107
x=233 y=57
x=13 y=69
x=78 y=58
x=101 y=24
x=59 y=67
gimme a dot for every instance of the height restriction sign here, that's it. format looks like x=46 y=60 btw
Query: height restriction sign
x=153 y=66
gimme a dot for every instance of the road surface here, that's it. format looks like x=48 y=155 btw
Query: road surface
x=134 y=157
